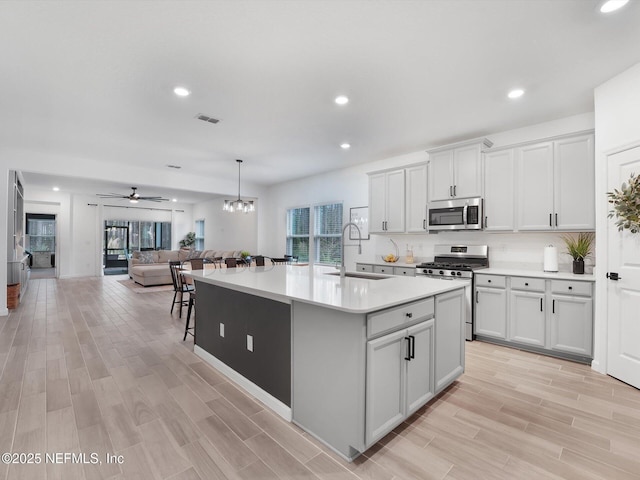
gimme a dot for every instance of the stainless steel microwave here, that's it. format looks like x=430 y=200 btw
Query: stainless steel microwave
x=456 y=214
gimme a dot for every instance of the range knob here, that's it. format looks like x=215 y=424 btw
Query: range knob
x=458 y=274
x=441 y=272
x=429 y=271
x=454 y=273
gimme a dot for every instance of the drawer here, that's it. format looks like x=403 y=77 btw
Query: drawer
x=406 y=271
x=527 y=284
x=363 y=267
x=383 y=269
x=497 y=281
x=570 y=287
x=397 y=317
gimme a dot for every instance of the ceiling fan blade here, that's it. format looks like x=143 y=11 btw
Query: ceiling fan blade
x=111 y=195
x=154 y=199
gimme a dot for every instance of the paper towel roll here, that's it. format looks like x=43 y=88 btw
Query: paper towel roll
x=550 y=259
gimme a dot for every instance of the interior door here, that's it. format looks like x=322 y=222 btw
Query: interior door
x=623 y=295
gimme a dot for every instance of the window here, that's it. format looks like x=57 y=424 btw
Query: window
x=327 y=233
x=199 y=235
x=325 y=228
x=298 y=233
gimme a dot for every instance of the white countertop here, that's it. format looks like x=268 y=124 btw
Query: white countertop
x=313 y=285
x=523 y=272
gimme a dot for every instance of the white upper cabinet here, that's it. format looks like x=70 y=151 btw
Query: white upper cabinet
x=535 y=186
x=499 y=197
x=387 y=202
x=398 y=200
x=574 y=171
x=416 y=202
x=455 y=171
x=556 y=185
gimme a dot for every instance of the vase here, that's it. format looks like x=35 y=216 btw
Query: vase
x=578 y=266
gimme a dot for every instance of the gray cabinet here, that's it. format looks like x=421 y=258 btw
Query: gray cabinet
x=399 y=377
x=386 y=269
x=548 y=316
x=571 y=317
x=491 y=312
x=527 y=322
x=450 y=337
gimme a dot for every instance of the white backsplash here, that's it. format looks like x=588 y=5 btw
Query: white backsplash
x=506 y=250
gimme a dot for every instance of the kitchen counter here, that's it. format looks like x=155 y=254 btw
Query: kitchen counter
x=314 y=285
x=346 y=359
x=524 y=272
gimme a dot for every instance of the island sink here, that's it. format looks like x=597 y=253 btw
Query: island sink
x=366 y=276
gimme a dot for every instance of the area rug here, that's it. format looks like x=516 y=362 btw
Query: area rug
x=137 y=288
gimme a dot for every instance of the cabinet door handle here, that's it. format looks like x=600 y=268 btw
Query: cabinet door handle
x=553 y=307
x=526 y=284
x=450 y=191
x=409 y=314
x=570 y=288
x=454 y=190
x=550 y=224
x=413 y=346
x=408 y=357
x=486 y=221
x=488 y=281
x=540 y=304
x=477 y=296
x=556 y=219
x=424 y=224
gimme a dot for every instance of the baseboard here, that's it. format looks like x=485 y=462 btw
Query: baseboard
x=4 y=312
x=251 y=388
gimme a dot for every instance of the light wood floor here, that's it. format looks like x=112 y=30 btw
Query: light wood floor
x=89 y=366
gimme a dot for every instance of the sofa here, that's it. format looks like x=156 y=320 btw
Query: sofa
x=152 y=267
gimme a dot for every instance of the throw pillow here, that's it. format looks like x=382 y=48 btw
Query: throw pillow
x=194 y=254
x=145 y=257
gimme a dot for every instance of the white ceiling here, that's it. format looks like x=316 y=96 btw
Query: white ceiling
x=93 y=80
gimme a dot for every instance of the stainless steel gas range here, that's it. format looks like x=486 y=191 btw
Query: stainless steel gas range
x=457 y=261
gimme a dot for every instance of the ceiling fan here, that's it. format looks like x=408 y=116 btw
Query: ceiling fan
x=134 y=197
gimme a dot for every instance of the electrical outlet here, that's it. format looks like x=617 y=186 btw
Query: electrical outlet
x=222 y=329
x=250 y=343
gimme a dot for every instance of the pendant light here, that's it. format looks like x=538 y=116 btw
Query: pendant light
x=238 y=205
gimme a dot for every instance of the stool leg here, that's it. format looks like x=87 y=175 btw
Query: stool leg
x=186 y=328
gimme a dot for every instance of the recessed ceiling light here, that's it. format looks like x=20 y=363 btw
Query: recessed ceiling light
x=345 y=146
x=515 y=93
x=56 y=189
x=612 y=5
x=174 y=199
x=342 y=100
x=181 y=92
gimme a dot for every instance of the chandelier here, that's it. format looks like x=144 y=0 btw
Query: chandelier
x=238 y=205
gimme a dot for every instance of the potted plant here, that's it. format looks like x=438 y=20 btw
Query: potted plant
x=189 y=240
x=579 y=248
x=246 y=256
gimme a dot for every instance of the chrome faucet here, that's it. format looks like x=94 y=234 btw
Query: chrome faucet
x=343 y=270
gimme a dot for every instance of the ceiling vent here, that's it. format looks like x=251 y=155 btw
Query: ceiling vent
x=207 y=118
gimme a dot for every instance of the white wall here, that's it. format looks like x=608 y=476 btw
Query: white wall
x=228 y=231
x=617 y=119
x=350 y=186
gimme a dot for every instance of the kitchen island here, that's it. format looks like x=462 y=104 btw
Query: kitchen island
x=347 y=359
